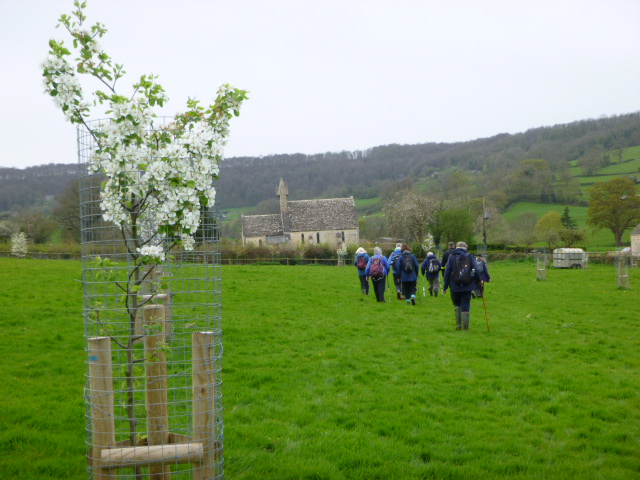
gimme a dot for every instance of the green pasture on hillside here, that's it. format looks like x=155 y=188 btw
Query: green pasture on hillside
x=322 y=382
x=630 y=163
x=596 y=241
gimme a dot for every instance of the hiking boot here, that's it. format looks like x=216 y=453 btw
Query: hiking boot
x=458 y=318
x=465 y=320
x=399 y=295
x=413 y=299
x=430 y=293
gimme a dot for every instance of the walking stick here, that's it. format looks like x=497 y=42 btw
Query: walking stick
x=387 y=280
x=484 y=302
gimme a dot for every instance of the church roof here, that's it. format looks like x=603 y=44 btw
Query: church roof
x=261 y=225
x=636 y=231
x=323 y=214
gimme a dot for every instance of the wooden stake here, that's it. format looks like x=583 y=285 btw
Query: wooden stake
x=204 y=417
x=157 y=397
x=102 y=411
x=152 y=456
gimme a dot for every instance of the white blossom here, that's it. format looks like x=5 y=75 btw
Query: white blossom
x=156 y=178
x=154 y=252
x=19 y=245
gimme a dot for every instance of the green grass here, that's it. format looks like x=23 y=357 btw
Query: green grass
x=321 y=382
x=628 y=167
x=630 y=164
x=598 y=241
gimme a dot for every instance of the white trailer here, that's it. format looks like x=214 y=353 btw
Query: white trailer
x=568 y=258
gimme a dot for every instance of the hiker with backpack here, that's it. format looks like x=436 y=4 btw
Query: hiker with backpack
x=445 y=256
x=431 y=270
x=396 y=273
x=407 y=265
x=459 y=275
x=482 y=275
x=360 y=262
x=377 y=270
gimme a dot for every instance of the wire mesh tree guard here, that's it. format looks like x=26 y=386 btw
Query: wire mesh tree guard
x=542 y=261
x=154 y=344
x=623 y=260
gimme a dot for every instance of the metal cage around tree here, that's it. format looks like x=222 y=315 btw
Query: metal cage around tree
x=153 y=342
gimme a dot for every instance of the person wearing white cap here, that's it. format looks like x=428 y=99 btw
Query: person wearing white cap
x=360 y=261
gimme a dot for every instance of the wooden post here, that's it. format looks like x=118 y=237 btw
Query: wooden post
x=154 y=300
x=102 y=412
x=204 y=418
x=157 y=397
x=150 y=456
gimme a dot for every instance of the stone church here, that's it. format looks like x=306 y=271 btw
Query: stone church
x=331 y=221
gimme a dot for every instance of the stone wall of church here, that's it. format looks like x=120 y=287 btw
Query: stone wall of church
x=333 y=238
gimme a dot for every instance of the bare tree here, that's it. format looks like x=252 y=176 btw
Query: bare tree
x=408 y=214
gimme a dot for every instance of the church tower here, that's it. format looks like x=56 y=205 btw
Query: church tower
x=283 y=192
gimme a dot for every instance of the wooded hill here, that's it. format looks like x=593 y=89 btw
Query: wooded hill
x=488 y=162
x=370 y=173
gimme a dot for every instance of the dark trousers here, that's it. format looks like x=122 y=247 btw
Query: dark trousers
x=478 y=289
x=462 y=300
x=396 y=281
x=379 y=288
x=364 y=283
x=408 y=289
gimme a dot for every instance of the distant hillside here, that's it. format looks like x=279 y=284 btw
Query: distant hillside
x=21 y=188
x=365 y=174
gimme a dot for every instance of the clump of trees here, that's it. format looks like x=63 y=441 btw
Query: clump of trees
x=614 y=205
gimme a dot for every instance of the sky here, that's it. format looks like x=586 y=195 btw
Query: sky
x=335 y=75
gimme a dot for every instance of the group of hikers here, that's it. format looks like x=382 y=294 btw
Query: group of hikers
x=463 y=273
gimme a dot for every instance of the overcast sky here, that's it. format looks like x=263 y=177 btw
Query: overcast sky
x=333 y=75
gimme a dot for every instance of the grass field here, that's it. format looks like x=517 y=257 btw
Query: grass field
x=321 y=382
x=599 y=241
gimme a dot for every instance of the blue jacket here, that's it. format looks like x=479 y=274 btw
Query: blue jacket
x=405 y=276
x=385 y=265
x=483 y=272
x=425 y=266
x=355 y=262
x=449 y=269
x=393 y=257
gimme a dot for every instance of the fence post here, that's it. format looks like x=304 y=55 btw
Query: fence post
x=102 y=411
x=157 y=396
x=204 y=401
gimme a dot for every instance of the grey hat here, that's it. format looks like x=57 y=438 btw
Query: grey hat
x=461 y=245
x=377 y=251
x=398 y=245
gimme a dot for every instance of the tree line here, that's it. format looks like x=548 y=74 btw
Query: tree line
x=531 y=166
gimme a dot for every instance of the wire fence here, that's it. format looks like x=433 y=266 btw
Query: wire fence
x=153 y=342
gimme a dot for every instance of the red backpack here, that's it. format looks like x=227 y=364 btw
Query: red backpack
x=376 y=270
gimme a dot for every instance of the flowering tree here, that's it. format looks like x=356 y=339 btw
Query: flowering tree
x=163 y=173
x=157 y=176
x=19 y=244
